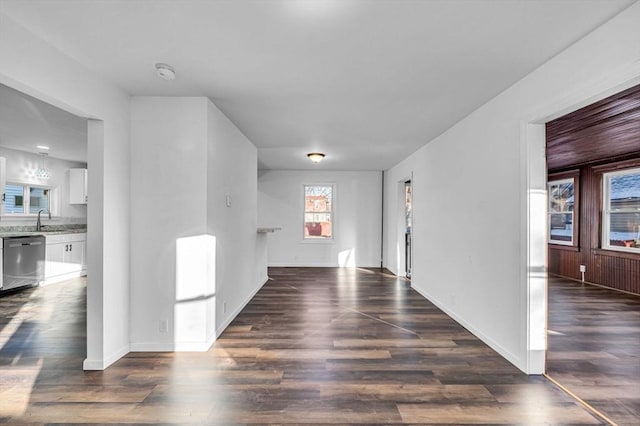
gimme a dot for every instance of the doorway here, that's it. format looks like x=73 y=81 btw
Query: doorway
x=593 y=292
x=404 y=227
x=408 y=216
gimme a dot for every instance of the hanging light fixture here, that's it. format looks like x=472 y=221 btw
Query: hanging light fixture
x=43 y=172
x=315 y=157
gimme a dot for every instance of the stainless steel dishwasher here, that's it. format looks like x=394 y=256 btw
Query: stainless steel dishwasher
x=23 y=261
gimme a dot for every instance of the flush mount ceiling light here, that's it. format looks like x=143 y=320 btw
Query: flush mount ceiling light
x=315 y=157
x=165 y=72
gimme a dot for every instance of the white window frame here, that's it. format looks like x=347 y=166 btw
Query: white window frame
x=606 y=218
x=53 y=200
x=555 y=182
x=333 y=215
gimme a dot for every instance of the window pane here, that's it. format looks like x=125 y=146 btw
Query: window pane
x=317 y=198
x=561 y=197
x=623 y=205
x=561 y=227
x=624 y=229
x=318 y=204
x=38 y=199
x=561 y=207
x=14 y=199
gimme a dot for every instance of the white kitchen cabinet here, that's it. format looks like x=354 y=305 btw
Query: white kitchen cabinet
x=78 y=186
x=65 y=258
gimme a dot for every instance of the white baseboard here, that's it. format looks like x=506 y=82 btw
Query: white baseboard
x=235 y=313
x=101 y=364
x=196 y=346
x=153 y=347
x=512 y=358
x=316 y=265
x=64 y=277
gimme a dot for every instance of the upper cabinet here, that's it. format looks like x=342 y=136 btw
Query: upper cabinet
x=78 y=186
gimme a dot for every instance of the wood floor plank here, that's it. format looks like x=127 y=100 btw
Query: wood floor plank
x=531 y=414
x=315 y=345
x=594 y=347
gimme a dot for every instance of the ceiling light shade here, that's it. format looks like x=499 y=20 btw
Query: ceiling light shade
x=315 y=157
x=43 y=172
x=165 y=72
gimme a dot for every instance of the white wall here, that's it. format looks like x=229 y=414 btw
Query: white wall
x=21 y=167
x=168 y=202
x=473 y=185
x=357 y=217
x=232 y=171
x=32 y=66
x=186 y=158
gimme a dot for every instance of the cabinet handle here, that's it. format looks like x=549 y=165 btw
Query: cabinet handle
x=70 y=247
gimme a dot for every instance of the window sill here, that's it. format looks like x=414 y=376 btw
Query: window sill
x=563 y=247
x=22 y=217
x=318 y=241
x=616 y=253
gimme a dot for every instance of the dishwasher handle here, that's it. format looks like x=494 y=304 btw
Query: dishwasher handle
x=20 y=244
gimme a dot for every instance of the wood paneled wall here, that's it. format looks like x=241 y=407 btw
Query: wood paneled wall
x=597 y=138
x=605 y=130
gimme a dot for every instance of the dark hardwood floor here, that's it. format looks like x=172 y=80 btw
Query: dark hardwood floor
x=317 y=345
x=594 y=347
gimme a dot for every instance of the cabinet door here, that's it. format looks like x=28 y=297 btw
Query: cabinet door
x=77 y=186
x=74 y=256
x=54 y=265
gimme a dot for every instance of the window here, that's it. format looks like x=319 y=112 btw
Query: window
x=621 y=210
x=318 y=212
x=26 y=199
x=561 y=212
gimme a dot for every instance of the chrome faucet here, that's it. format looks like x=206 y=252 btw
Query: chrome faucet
x=38 y=223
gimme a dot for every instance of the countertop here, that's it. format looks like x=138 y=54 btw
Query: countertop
x=25 y=231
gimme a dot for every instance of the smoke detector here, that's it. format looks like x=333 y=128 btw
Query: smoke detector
x=165 y=72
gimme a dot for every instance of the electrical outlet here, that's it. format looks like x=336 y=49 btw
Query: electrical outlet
x=164 y=326
x=583 y=268
x=224 y=307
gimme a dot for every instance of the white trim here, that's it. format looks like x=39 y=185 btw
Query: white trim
x=333 y=214
x=588 y=93
x=317 y=265
x=187 y=346
x=512 y=358
x=97 y=364
x=534 y=247
x=606 y=210
x=220 y=329
x=64 y=277
x=558 y=182
x=53 y=199
x=153 y=347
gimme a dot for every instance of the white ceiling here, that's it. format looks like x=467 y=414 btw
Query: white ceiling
x=366 y=82
x=26 y=122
